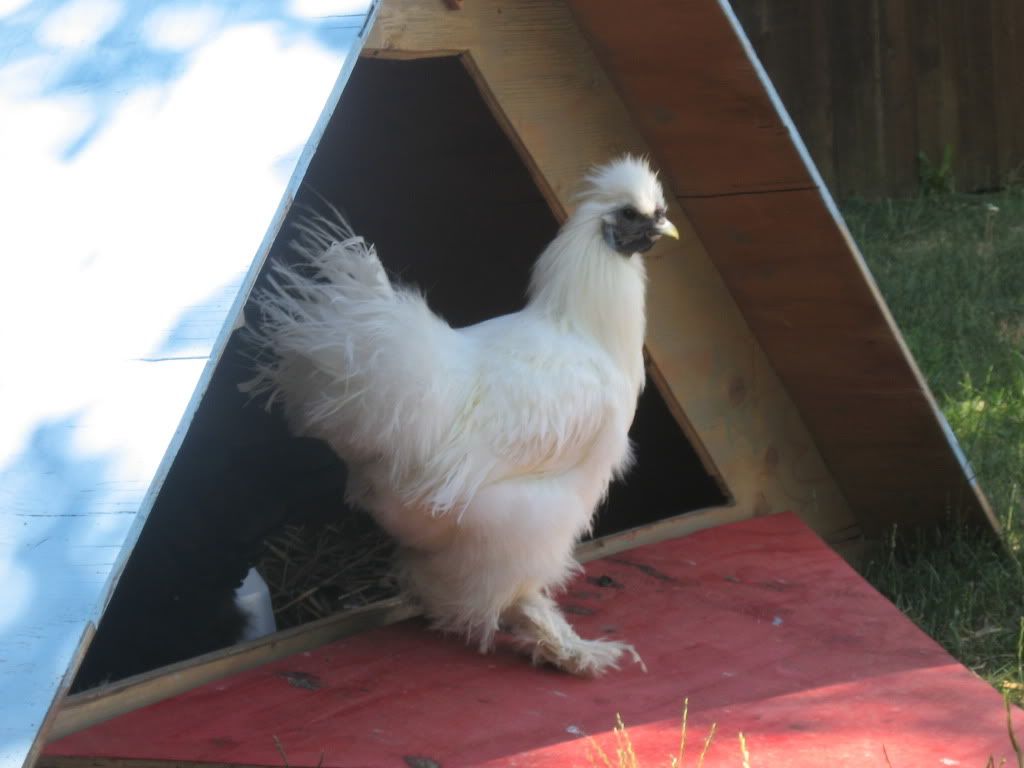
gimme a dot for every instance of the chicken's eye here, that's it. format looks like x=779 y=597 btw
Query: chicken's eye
x=629 y=213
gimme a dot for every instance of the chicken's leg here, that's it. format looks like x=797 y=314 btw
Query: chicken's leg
x=537 y=623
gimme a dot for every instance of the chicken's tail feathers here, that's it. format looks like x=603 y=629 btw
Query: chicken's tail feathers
x=298 y=308
x=354 y=360
x=326 y=243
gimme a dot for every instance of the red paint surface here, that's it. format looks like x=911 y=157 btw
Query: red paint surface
x=764 y=628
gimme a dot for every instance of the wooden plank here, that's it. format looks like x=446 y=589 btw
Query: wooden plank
x=542 y=74
x=1008 y=71
x=494 y=104
x=795 y=651
x=143 y=195
x=928 y=69
x=898 y=175
x=734 y=141
x=100 y=704
x=976 y=88
x=89 y=708
x=951 y=52
x=802 y=288
x=856 y=96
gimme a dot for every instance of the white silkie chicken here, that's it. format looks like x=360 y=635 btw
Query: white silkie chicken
x=484 y=451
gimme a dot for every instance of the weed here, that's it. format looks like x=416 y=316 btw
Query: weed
x=626 y=757
x=936 y=179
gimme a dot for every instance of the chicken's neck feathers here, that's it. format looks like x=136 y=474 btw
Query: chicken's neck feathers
x=582 y=285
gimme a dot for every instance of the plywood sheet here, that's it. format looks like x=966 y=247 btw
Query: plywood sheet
x=762 y=627
x=769 y=225
x=818 y=318
x=695 y=96
x=146 y=149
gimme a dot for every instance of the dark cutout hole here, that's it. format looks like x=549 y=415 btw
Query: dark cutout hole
x=417 y=162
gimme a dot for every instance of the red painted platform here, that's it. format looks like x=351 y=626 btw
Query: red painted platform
x=759 y=624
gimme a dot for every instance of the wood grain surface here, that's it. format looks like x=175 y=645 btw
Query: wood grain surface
x=759 y=625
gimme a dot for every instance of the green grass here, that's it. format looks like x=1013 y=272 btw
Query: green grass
x=951 y=268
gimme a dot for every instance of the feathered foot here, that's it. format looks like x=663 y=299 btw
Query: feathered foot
x=538 y=624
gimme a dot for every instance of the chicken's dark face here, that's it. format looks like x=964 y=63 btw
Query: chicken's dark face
x=628 y=230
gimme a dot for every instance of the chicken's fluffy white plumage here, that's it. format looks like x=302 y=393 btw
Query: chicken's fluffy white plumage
x=484 y=450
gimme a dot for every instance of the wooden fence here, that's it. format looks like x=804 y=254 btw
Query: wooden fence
x=873 y=83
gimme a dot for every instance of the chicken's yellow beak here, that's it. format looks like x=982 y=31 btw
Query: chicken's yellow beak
x=668 y=228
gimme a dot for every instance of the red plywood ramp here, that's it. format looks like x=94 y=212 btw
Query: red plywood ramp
x=759 y=624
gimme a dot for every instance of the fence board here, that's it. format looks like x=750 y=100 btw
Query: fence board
x=1008 y=58
x=854 y=70
x=977 y=145
x=899 y=100
x=872 y=84
x=927 y=57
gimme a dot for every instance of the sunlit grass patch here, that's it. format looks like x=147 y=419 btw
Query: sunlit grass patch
x=952 y=271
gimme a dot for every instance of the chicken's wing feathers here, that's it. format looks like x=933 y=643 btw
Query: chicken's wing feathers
x=428 y=413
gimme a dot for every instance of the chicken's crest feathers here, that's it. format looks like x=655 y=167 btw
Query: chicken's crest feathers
x=626 y=180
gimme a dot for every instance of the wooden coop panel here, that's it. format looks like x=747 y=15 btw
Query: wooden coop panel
x=840 y=355
x=744 y=178
x=695 y=96
x=147 y=151
x=759 y=625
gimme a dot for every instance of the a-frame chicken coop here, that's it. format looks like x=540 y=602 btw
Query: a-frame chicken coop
x=152 y=154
